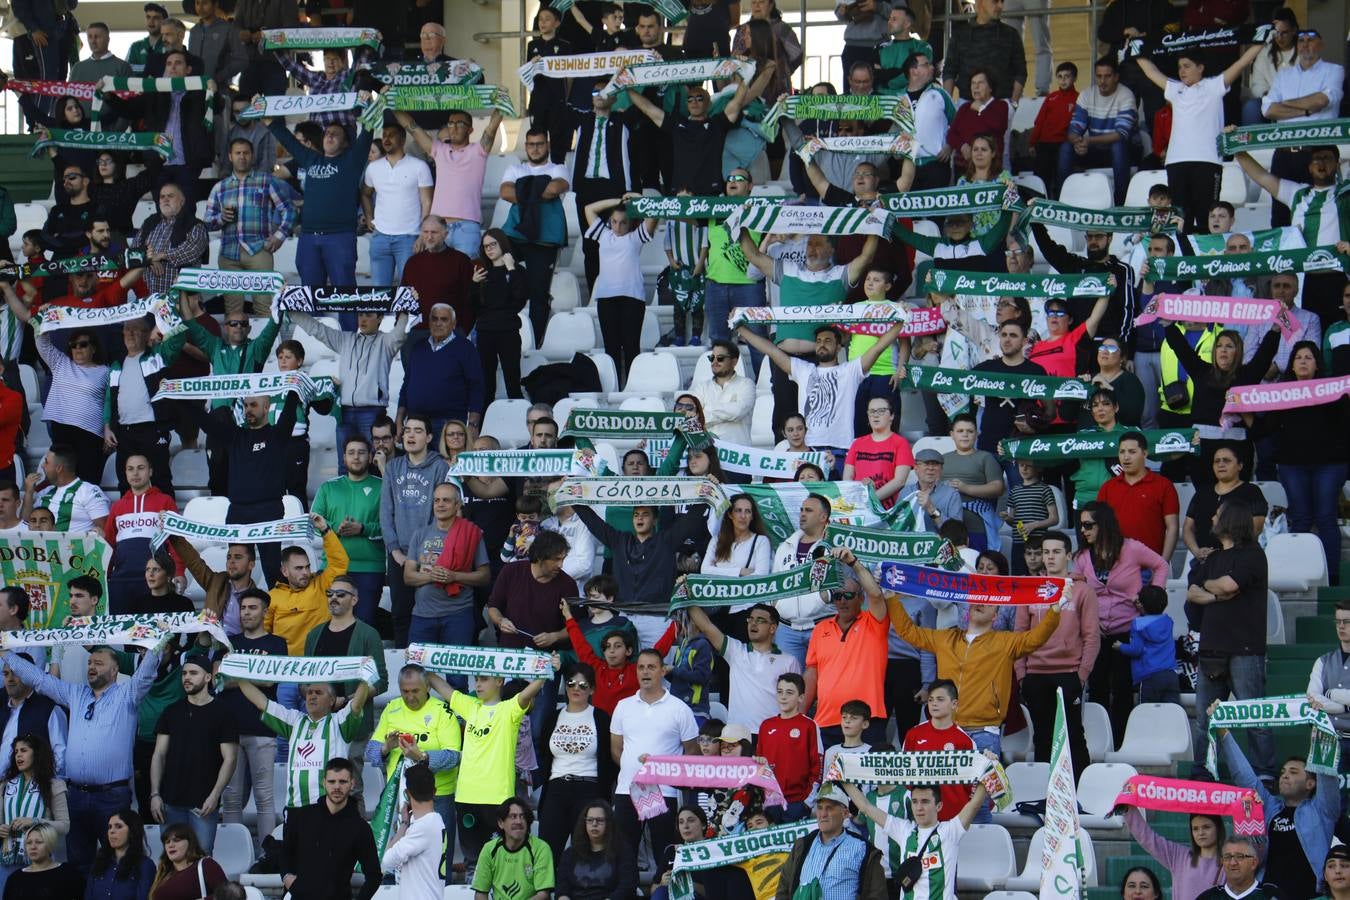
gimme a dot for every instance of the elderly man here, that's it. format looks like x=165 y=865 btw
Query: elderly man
x=939 y=501
x=444 y=378
x=413 y=728
x=728 y=399
x=168 y=246
x=460 y=168
x=444 y=576
x=834 y=859
x=440 y=274
x=98 y=753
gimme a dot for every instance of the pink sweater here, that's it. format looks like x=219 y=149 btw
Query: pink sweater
x=1188 y=881
x=1074 y=644
x=1117 y=591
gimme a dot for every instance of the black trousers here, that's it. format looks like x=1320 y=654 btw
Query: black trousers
x=560 y=803
x=503 y=347
x=661 y=831
x=540 y=261
x=400 y=602
x=88 y=447
x=1195 y=188
x=217 y=466
x=297 y=478
x=265 y=511
x=903 y=680
x=853 y=55
x=1111 y=685
x=151 y=440
x=1038 y=693
x=621 y=331
x=555 y=118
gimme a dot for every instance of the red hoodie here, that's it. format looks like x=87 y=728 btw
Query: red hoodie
x=137 y=518
x=611 y=685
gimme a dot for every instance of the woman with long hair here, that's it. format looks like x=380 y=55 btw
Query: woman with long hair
x=1141 y=883
x=501 y=290
x=1311 y=450
x=32 y=795
x=184 y=871
x=742 y=547
x=454 y=440
x=44 y=878
x=787 y=51
x=1195 y=869
x=745 y=141
x=594 y=867
x=691 y=825
x=67 y=115
x=1210 y=383
x=117 y=193
x=1113 y=566
x=986 y=164
x=1229 y=484
x=575 y=766
x=1108 y=370
x=1280 y=52
x=122 y=870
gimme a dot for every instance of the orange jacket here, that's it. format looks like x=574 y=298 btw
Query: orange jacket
x=982 y=669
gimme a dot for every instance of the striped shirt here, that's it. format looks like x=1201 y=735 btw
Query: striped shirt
x=837 y=864
x=187 y=253
x=938 y=881
x=76 y=397
x=312 y=745
x=685 y=241
x=103 y=727
x=1314 y=211
x=22 y=800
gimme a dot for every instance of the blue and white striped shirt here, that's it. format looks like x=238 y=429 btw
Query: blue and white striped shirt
x=837 y=863
x=103 y=728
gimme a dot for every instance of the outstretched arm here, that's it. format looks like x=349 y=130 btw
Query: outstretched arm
x=647 y=108
x=419 y=134
x=767 y=347
x=974 y=805
x=873 y=353
x=1234 y=72
x=592 y=211
x=1151 y=72
x=865 y=806
x=1258 y=173
x=857 y=267
x=700 y=620
x=757 y=257
x=1094 y=319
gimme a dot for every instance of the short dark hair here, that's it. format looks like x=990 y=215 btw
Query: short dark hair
x=177 y=52
x=65 y=455
x=1161 y=189
x=964 y=417
x=1153 y=599
x=544 y=420
x=838 y=335
x=397 y=129
x=340 y=764
x=822 y=500
x=1224 y=205
x=605 y=584
x=103 y=25
x=769 y=610
x=1108 y=61
x=1067 y=67
x=856 y=708
x=621 y=634
x=912 y=62
x=1057 y=536
x=17 y=598
x=420 y=782
x=383 y=420
x=292 y=551
x=294 y=347
x=945 y=684
x=87 y=583
x=652 y=651
x=505 y=809
x=421 y=417
x=245 y=141
x=932 y=789
x=248 y=549
x=795 y=679
x=728 y=346
x=536 y=132
x=155 y=8
x=547 y=544
x=954 y=530
x=1136 y=436
x=529 y=504
x=10 y=487
x=310 y=131
x=356 y=439
x=1018 y=323
x=259 y=593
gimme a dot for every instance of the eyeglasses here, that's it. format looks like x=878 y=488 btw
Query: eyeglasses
x=237 y=323
x=737 y=178
x=80 y=345
x=685 y=407
x=702 y=739
x=1087 y=524
x=712 y=357
x=339 y=593
x=878 y=410
x=596 y=820
x=1309 y=35
x=578 y=683
x=1340 y=622
x=1236 y=857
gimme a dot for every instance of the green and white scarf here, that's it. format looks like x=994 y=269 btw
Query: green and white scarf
x=1263 y=240
x=298 y=669
x=691 y=207
x=1286 y=134
x=223 y=387
x=582 y=65
x=1117 y=220
x=743 y=459
x=1093 y=445
x=524 y=463
x=993 y=384
x=714 y=853
x=709 y=591
x=118 y=631
x=80 y=139
x=874 y=545
x=833 y=220
x=385 y=822
x=837 y=107
x=276 y=106
x=1324 y=748
x=421 y=74
x=1031 y=286
x=436 y=98
x=97 y=262
x=319 y=38
x=920 y=767
x=672 y=10
x=889 y=313
x=114 y=83
x=1244 y=265
x=597 y=155
x=986 y=196
x=890 y=144
x=56 y=318
x=220 y=281
x=500 y=662
x=650 y=491
x=851 y=503
x=624 y=425
x=296 y=529
x=681 y=71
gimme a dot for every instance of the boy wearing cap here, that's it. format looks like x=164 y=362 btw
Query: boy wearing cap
x=196 y=745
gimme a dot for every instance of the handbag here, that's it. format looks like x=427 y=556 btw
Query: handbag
x=1177 y=394
x=908 y=873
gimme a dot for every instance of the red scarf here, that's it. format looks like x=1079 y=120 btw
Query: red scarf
x=458 y=550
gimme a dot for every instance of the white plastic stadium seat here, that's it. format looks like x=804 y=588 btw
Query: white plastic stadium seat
x=567 y=333
x=1017 y=746
x=234 y=848
x=1030 y=877
x=761 y=421
x=1274 y=619
x=643 y=404
x=1140 y=184
x=211 y=510
x=505 y=420
x=564 y=292
x=1157 y=734
x=1028 y=781
x=609 y=375
x=1303 y=564
x=1009 y=895
x=1274 y=493
x=154 y=847
x=986 y=859
x=653 y=373
x=1098 y=787
x=1233 y=187
x=1090 y=190
x=1097 y=726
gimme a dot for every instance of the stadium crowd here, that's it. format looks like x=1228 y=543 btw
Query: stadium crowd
x=423 y=542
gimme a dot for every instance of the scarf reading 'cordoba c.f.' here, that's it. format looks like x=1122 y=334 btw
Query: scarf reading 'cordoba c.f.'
x=501 y=662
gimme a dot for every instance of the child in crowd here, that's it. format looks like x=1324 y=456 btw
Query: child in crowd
x=940 y=733
x=1151 y=649
x=691 y=669
x=854 y=717
x=790 y=741
x=1051 y=128
x=41 y=519
x=521 y=535
x=30 y=289
x=601 y=592
x=709 y=744
x=1222 y=217
x=615 y=672
x=687 y=258
x=1031 y=506
x=1031 y=556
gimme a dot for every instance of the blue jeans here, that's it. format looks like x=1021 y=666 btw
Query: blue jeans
x=464 y=236
x=1116 y=155
x=327 y=259
x=388 y=253
x=720 y=300
x=356 y=421
x=1160 y=687
x=1251 y=112
x=793 y=642
x=369 y=587
x=1314 y=491
x=455 y=629
x=89 y=814
x=1245 y=678
x=992 y=741
x=204 y=827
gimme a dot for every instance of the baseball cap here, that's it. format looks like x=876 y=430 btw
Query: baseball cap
x=734 y=734
x=832 y=792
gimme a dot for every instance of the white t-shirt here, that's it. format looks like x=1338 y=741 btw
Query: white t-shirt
x=574 y=744
x=1197 y=120
x=620 y=269
x=398 y=199
x=652 y=729
x=1313 y=211
x=526 y=169
x=754 y=683
x=825 y=399
x=417 y=856
x=938 y=881
x=87 y=504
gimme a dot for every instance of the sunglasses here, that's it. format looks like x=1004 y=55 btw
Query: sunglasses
x=89 y=713
x=685 y=407
x=715 y=358
x=836 y=596
x=1086 y=524
x=1309 y=34
x=737 y=178
x=237 y=323
x=578 y=683
x=72 y=176
x=80 y=345
x=705 y=740
x=1107 y=348
x=338 y=593
x=1055 y=314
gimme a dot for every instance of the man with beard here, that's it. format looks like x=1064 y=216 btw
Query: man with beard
x=196 y=745
x=353 y=501
x=133 y=519
x=1121 y=311
x=70 y=218
x=536 y=223
x=323 y=842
